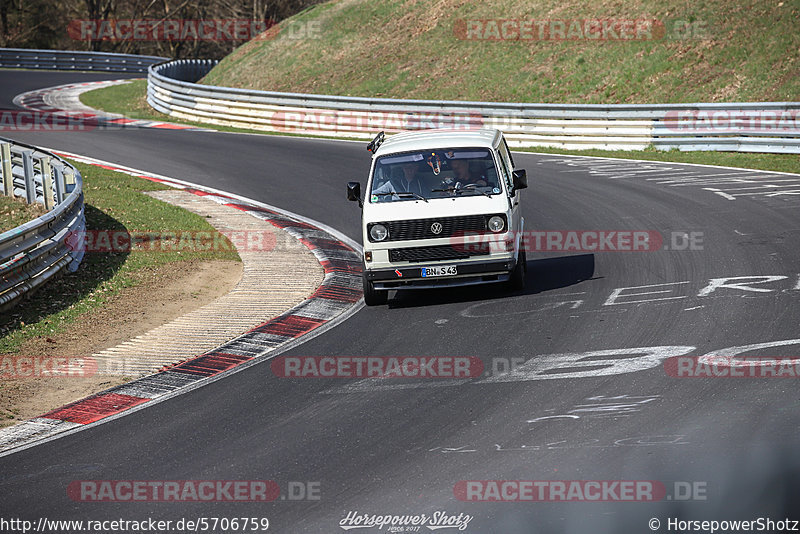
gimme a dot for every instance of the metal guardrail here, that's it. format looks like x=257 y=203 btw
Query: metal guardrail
x=774 y=126
x=33 y=253
x=23 y=58
x=743 y=127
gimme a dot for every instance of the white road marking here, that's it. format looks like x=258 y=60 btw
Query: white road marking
x=677 y=176
x=587 y=364
x=720 y=193
x=727 y=357
x=596 y=363
x=617 y=294
x=716 y=283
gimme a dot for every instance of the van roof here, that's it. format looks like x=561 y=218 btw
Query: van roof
x=443 y=138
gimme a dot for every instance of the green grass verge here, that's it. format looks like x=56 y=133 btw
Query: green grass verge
x=114 y=201
x=16 y=211
x=131 y=100
x=766 y=162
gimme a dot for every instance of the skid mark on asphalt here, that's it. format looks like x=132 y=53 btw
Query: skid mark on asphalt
x=565 y=422
x=729 y=184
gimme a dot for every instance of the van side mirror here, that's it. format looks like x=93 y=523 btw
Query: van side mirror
x=354 y=192
x=520 y=179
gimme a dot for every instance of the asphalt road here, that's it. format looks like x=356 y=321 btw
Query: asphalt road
x=15 y=82
x=585 y=415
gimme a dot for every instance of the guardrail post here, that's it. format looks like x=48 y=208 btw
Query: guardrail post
x=36 y=240
x=58 y=180
x=47 y=182
x=69 y=179
x=8 y=176
x=27 y=169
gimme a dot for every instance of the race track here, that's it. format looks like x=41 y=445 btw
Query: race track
x=381 y=449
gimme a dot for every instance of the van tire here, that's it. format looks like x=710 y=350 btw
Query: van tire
x=517 y=281
x=372 y=296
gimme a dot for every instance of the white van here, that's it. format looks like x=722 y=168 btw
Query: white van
x=442 y=209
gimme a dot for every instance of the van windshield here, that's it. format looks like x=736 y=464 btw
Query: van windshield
x=434 y=174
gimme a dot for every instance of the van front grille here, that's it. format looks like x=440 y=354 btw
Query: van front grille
x=443 y=252
x=421 y=228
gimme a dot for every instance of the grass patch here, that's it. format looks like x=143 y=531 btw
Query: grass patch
x=114 y=201
x=16 y=211
x=714 y=51
x=766 y=162
x=131 y=100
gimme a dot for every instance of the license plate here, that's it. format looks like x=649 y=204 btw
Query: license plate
x=444 y=270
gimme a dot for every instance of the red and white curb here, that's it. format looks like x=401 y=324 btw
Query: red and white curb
x=65 y=99
x=336 y=299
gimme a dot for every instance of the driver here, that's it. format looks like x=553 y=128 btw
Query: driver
x=410 y=182
x=462 y=174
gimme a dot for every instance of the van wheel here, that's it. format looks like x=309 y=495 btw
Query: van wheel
x=517 y=281
x=372 y=296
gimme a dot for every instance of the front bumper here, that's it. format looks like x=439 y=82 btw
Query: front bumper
x=469 y=273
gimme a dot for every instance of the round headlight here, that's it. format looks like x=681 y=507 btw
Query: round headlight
x=496 y=224
x=378 y=232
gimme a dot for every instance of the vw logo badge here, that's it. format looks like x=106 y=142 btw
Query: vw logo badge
x=436 y=228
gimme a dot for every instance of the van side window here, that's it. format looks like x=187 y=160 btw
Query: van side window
x=506 y=152
x=505 y=172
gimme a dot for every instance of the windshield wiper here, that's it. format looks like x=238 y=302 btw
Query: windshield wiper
x=401 y=193
x=484 y=193
x=461 y=190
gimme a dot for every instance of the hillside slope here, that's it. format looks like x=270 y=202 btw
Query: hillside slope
x=718 y=51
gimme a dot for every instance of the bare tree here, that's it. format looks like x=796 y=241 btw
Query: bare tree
x=44 y=23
